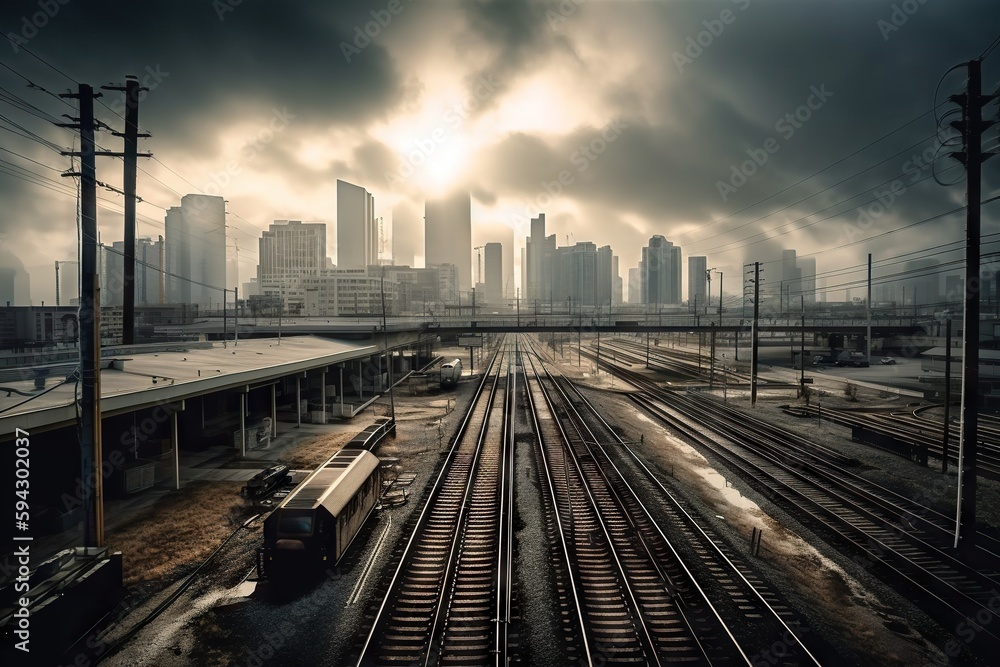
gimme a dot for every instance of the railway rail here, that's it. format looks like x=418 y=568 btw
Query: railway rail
x=906 y=540
x=917 y=432
x=449 y=599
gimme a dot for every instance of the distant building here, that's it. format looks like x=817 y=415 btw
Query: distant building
x=634 y=286
x=583 y=275
x=448 y=235
x=289 y=251
x=616 y=282
x=493 y=273
x=807 y=275
x=15 y=284
x=407 y=236
x=447 y=274
x=698 y=282
x=540 y=266
x=195 y=237
x=660 y=271
x=357 y=231
x=68 y=284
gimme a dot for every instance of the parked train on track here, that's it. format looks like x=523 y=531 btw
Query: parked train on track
x=316 y=523
x=451 y=372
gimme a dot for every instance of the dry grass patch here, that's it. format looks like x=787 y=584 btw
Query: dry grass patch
x=315 y=451
x=181 y=529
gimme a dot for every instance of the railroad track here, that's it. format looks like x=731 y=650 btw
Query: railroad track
x=449 y=600
x=879 y=528
x=912 y=430
x=730 y=612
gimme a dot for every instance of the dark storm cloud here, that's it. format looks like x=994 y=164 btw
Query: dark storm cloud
x=516 y=35
x=210 y=67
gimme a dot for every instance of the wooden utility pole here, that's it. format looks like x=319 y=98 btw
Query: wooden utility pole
x=90 y=324
x=129 y=156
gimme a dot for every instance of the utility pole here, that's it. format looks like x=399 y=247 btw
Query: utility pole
x=236 y=313
x=945 y=438
x=385 y=340
x=754 y=352
x=711 y=363
x=130 y=157
x=802 y=349
x=972 y=127
x=868 y=313
x=225 y=321
x=90 y=324
x=57 y=282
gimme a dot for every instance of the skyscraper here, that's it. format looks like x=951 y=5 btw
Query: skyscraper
x=660 y=271
x=407 y=236
x=290 y=250
x=195 y=238
x=540 y=251
x=635 y=285
x=697 y=282
x=357 y=231
x=807 y=275
x=448 y=235
x=493 y=273
x=616 y=282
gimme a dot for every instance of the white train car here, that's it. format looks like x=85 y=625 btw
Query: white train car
x=451 y=372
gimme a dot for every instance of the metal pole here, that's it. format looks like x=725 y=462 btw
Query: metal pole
x=945 y=440
x=802 y=349
x=868 y=312
x=236 y=314
x=243 y=425
x=711 y=366
x=754 y=351
x=175 y=443
x=385 y=338
x=225 y=320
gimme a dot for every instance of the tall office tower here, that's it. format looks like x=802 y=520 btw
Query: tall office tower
x=540 y=251
x=195 y=238
x=407 y=236
x=790 y=284
x=357 y=230
x=923 y=282
x=660 y=269
x=149 y=256
x=448 y=235
x=68 y=285
x=635 y=285
x=583 y=275
x=493 y=273
x=616 y=282
x=15 y=285
x=290 y=251
x=111 y=272
x=698 y=282
x=807 y=282
x=447 y=282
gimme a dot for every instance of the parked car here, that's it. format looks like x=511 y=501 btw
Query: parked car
x=887 y=361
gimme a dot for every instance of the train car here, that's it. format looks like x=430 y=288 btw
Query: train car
x=451 y=372
x=265 y=481
x=317 y=521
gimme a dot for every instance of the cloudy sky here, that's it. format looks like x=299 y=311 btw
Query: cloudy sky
x=733 y=128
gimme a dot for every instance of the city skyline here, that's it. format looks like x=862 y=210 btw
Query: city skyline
x=705 y=147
